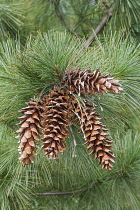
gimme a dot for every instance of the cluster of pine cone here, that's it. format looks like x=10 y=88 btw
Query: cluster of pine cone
x=51 y=116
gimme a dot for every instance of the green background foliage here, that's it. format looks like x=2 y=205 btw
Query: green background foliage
x=39 y=40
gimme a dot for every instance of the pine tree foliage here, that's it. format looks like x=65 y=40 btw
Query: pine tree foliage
x=130 y=21
x=11 y=19
x=80 y=17
x=110 y=187
x=33 y=71
x=30 y=67
x=29 y=73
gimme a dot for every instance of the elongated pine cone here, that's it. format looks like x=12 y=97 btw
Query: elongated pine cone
x=52 y=115
x=29 y=131
x=56 y=114
x=85 y=82
x=94 y=134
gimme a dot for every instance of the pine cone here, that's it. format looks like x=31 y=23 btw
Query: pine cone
x=55 y=115
x=85 y=82
x=94 y=134
x=29 y=131
x=56 y=109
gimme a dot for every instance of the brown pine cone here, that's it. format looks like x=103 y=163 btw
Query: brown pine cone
x=94 y=134
x=85 y=82
x=55 y=115
x=29 y=131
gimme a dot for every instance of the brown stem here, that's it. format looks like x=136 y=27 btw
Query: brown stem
x=99 y=28
x=63 y=193
x=74 y=192
x=63 y=19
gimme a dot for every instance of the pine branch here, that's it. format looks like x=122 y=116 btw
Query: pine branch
x=64 y=193
x=60 y=15
x=101 y=25
x=76 y=191
x=99 y=28
x=84 y=189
